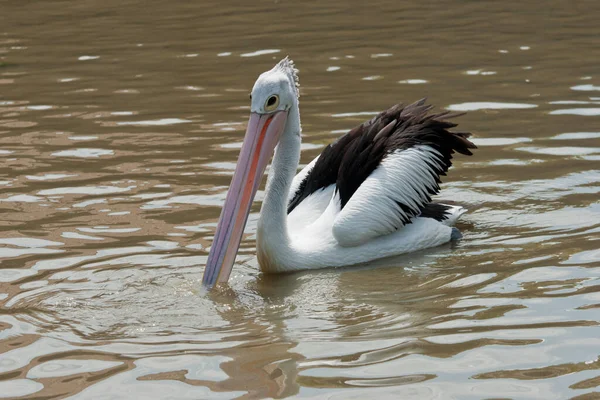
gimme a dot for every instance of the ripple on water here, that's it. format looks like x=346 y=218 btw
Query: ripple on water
x=119 y=113
x=106 y=229
x=86 y=203
x=571 y=102
x=66 y=80
x=49 y=177
x=514 y=161
x=17 y=247
x=584 y=257
x=577 y=135
x=59 y=368
x=156 y=373
x=155 y=122
x=75 y=235
x=480 y=72
x=40 y=107
x=215 y=200
x=561 y=151
x=413 y=81
x=19 y=387
x=22 y=198
x=84 y=153
x=586 y=88
x=83 y=138
x=355 y=114
x=29 y=242
x=475 y=106
x=260 y=53
x=90 y=190
x=500 y=141
x=577 y=111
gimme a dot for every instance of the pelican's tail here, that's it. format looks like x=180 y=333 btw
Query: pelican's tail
x=456 y=234
x=453 y=214
x=445 y=213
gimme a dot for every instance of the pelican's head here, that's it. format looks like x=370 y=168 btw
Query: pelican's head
x=276 y=89
x=273 y=94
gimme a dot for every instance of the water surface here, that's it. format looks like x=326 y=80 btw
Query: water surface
x=120 y=125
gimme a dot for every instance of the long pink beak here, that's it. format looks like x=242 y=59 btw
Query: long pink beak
x=262 y=135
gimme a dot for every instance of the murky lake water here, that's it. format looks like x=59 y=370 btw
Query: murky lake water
x=120 y=125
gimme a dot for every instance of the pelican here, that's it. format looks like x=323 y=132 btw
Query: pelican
x=366 y=196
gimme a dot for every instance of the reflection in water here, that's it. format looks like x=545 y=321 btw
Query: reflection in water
x=118 y=142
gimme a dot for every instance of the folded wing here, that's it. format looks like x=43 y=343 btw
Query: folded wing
x=384 y=171
x=415 y=149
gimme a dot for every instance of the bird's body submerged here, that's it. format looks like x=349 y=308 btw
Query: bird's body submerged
x=367 y=196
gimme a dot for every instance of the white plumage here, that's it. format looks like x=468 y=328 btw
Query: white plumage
x=367 y=196
x=403 y=176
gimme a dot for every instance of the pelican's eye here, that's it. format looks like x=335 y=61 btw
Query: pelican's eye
x=272 y=103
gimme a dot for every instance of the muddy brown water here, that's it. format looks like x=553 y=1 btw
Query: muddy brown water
x=120 y=124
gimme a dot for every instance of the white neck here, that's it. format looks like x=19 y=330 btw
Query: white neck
x=272 y=235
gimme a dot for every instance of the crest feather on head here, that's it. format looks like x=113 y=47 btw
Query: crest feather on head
x=287 y=65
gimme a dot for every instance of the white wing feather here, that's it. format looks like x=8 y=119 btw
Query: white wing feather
x=311 y=208
x=405 y=176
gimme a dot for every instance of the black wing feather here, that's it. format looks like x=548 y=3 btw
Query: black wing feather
x=354 y=156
